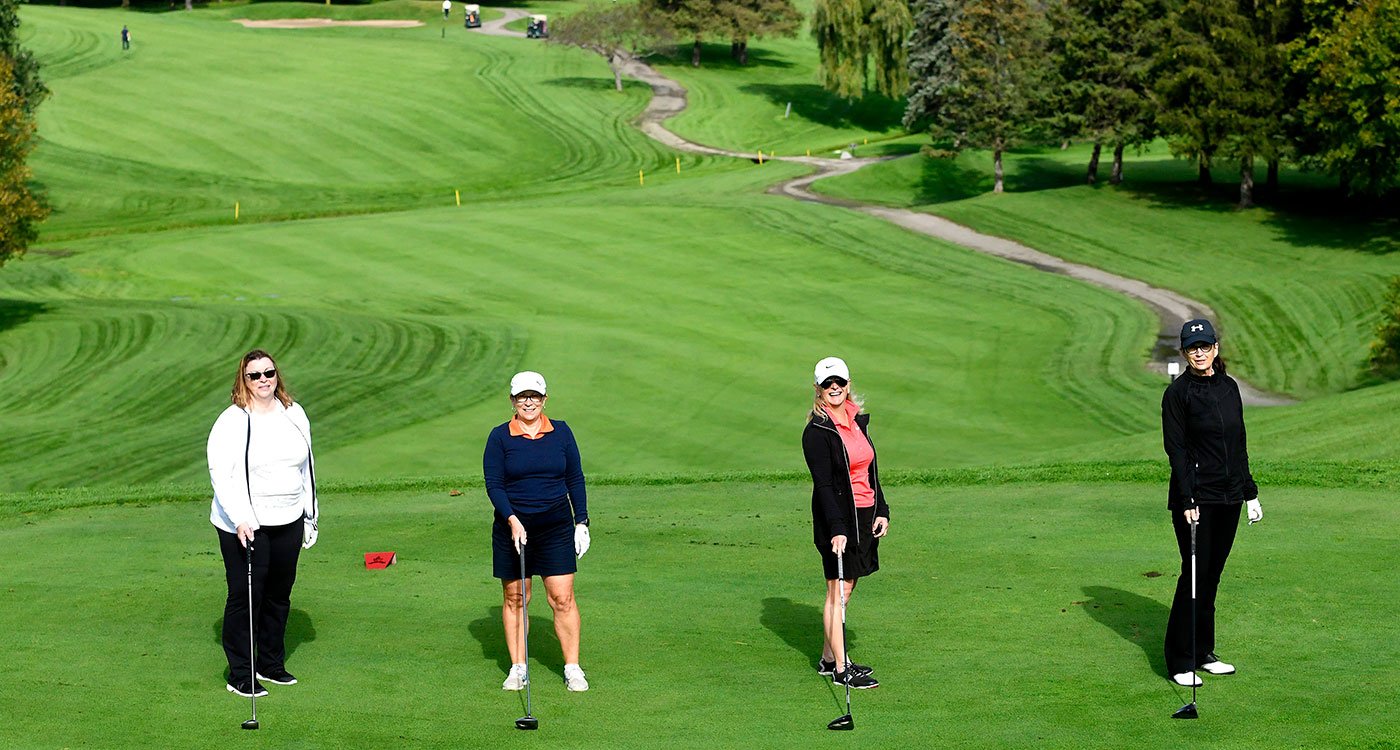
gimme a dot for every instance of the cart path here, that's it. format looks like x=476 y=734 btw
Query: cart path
x=498 y=26
x=1172 y=309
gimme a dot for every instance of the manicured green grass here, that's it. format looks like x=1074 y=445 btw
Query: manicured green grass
x=1297 y=290
x=1003 y=616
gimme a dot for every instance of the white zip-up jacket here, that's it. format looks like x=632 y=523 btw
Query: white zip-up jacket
x=228 y=472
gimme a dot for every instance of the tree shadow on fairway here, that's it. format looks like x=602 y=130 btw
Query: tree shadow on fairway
x=1137 y=619
x=810 y=101
x=488 y=633
x=602 y=85
x=13 y=312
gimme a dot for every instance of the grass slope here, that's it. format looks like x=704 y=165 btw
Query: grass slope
x=1034 y=624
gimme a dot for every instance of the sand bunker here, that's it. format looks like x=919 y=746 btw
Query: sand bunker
x=320 y=23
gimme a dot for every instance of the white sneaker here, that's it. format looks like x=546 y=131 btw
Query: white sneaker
x=1218 y=667
x=517 y=679
x=574 y=679
x=1187 y=679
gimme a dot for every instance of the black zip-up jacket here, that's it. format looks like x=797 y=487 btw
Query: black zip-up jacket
x=1203 y=434
x=833 y=504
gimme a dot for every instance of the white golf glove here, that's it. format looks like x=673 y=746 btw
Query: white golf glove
x=308 y=533
x=581 y=540
x=1255 y=510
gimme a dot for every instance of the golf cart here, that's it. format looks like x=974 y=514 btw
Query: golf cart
x=472 y=16
x=538 y=28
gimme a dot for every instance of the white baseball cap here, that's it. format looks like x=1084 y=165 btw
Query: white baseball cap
x=831 y=367
x=527 y=381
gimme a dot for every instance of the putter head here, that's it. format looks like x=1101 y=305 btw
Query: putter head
x=842 y=723
x=527 y=722
x=250 y=724
x=1187 y=711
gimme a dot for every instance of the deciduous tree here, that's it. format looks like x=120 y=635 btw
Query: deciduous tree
x=860 y=38
x=746 y=19
x=618 y=31
x=20 y=210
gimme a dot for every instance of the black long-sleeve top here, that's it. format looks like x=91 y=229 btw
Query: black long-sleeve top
x=1203 y=434
x=833 y=505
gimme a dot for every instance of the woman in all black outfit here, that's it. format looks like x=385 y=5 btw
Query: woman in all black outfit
x=849 y=514
x=1203 y=433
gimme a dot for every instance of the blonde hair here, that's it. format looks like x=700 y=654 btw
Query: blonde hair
x=242 y=394
x=819 y=407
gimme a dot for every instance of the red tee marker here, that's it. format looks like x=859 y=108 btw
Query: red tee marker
x=380 y=560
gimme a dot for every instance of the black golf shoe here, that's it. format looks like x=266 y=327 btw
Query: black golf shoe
x=825 y=667
x=278 y=677
x=243 y=690
x=856 y=681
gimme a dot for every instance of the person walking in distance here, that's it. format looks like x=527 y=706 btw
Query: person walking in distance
x=534 y=479
x=446 y=9
x=126 y=38
x=1204 y=437
x=262 y=469
x=849 y=514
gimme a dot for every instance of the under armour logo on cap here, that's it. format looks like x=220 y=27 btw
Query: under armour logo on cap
x=1198 y=331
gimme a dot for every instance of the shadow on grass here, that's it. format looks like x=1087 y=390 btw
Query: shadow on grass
x=717 y=57
x=603 y=85
x=799 y=625
x=1135 y=618
x=872 y=112
x=300 y=630
x=15 y=312
x=490 y=635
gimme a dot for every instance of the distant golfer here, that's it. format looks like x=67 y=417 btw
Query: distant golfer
x=849 y=514
x=260 y=464
x=534 y=478
x=446 y=9
x=126 y=38
x=1203 y=433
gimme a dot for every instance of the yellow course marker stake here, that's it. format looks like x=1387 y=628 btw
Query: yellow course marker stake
x=235 y=210
x=867 y=141
x=458 y=193
x=641 y=178
x=760 y=156
x=678 y=165
x=809 y=152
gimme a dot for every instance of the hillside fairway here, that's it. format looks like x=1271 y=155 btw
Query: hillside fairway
x=1003 y=616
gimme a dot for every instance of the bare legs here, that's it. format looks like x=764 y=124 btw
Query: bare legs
x=559 y=590
x=833 y=649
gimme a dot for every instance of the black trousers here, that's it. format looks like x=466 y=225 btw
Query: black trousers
x=1215 y=535
x=275 y=553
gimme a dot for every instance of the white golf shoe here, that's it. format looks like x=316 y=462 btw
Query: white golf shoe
x=1187 y=679
x=516 y=680
x=1218 y=667
x=574 y=679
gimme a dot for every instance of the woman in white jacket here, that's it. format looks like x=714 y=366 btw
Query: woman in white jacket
x=261 y=467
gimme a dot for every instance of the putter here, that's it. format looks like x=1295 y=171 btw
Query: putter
x=527 y=721
x=1188 y=711
x=844 y=722
x=252 y=655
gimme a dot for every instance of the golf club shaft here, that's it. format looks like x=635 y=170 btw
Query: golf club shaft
x=845 y=655
x=252 y=653
x=1194 y=677
x=525 y=627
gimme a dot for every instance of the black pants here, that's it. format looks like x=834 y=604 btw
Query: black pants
x=1215 y=535
x=275 y=553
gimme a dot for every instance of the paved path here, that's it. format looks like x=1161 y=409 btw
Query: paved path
x=1172 y=309
x=498 y=26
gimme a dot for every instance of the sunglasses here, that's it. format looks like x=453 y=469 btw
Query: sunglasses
x=255 y=376
x=523 y=397
x=838 y=381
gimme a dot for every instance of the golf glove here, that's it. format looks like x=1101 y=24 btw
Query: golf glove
x=581 y=540
x=1255 y=510
x=308 y=533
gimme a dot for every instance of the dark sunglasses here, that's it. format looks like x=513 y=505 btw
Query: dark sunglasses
x=269 y=374
x=833 y=379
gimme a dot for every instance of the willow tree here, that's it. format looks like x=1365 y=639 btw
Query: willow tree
x=858 y=39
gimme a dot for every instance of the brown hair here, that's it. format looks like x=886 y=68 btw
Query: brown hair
x=241 y=394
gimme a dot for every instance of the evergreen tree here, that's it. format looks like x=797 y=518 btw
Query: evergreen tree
x=1103 y=51
x=980 y=70
x=858 y=38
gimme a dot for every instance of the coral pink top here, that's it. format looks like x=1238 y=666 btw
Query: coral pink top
x=858 y=452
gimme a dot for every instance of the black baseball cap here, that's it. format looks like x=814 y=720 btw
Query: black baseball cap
x=1198 y=331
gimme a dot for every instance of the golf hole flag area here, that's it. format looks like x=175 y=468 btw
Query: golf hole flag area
x=407 y=216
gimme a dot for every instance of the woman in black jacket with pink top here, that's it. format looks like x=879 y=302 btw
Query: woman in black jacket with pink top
x=849 y=514
x=1204 y=437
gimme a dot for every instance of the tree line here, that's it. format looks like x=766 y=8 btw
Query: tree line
x=21 y=91
x=1243 y=83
